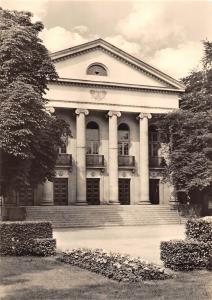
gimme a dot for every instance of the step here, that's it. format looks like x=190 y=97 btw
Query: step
x=103 y=215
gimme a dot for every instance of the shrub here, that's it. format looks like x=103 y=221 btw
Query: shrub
x=116 y=266
x=185 y=255
x=16 y=238
x=44 y=247
x=199 y=229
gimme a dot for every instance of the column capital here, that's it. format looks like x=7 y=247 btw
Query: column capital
x=112 y=113
x=81 y=111
x=144 y=115
x=50 y=110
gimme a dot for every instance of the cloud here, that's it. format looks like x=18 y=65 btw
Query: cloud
x=81 y=29
x=120 y=42
x=58 y=38
x=168 y=33
x=180 y=61
x=150 y=22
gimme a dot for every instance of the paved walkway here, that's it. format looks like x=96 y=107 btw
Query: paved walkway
x=143 y=241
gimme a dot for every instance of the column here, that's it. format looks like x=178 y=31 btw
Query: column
x=81 y=156
x=48 y=193
x=113 y=157
x=173 y=197
x=144 y=158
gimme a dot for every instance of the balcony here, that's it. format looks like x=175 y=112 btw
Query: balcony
x=64 y=160
x=156 y=162
x=126 y=162
x=95 y=161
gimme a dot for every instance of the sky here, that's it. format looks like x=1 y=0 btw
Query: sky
x=166 y=34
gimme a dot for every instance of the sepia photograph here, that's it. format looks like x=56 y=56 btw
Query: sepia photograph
x=105 y=150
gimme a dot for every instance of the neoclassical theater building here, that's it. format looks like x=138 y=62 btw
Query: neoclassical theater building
x=110 y=99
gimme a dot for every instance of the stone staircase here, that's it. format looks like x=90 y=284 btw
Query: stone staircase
x=104 y=215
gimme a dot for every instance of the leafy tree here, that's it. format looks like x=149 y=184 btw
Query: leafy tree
x=29 y=135
x=189 y=134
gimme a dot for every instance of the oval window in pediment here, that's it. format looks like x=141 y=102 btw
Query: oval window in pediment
x=97 y=69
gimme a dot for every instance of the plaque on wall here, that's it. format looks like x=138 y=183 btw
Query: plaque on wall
x=155 y=174
x=98 y=94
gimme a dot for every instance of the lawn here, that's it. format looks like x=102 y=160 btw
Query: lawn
x=24 y=278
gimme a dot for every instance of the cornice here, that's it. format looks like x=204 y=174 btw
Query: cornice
x=114 y=85
x=119 y=55
x=140 y=107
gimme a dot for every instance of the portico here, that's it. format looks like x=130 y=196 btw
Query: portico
x=110 y=99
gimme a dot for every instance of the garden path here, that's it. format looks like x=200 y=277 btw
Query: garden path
x=143 y=241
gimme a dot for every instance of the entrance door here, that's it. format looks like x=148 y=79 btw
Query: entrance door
x=61 y=191
x=26 y=196
x=154 y=191
x=124 y=191
x=93 y=191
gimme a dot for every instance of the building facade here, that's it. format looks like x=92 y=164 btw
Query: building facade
x=110 y=99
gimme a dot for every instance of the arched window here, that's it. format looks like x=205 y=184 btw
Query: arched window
x=123 y=139
x=97 y=69
x=154 y=143
x=92 y=138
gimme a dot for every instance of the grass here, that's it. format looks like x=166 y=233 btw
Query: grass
x=24 y=278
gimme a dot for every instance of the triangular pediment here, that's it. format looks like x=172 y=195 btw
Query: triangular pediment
x=123 y=68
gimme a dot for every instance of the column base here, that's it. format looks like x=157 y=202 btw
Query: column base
x=144 y=203
x=46 y=203
x=113 y=203
x=81 y=203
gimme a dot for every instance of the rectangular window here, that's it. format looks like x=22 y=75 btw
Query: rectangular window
x=92 y=147
x=123 y=148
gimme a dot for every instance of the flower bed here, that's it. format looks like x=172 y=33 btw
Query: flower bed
x=113 y=265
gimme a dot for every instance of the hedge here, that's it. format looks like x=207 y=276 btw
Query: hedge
x=44 y=247
x=199 y=229
x=115 y=266
x=16 y=238
x=185 y=255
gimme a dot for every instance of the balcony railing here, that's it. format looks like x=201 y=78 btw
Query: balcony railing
x=95 y=160
x=64 y=159
x=126 y=161
x=156 y=162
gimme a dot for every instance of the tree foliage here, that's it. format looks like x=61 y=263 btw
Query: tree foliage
x=189 y=132
x=29 y=135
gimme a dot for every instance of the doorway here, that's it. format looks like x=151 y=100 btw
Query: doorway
x=93 y=191
x=154 y=191
x=60 y=191
x=124 y=191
